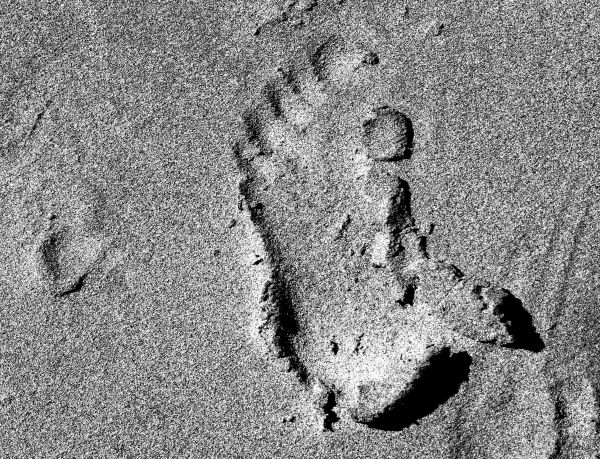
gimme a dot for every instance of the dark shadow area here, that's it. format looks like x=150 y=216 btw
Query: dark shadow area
x=408 y=297
x=50 y=250
x=400 y=215
x=438 y=382
x=288 y=326
x=410 y=135
x=370 y=58
x=271 y=94
x=330 y=416
x=519 y=324
x=75 y=286
x=285 y=317
x=252 y=125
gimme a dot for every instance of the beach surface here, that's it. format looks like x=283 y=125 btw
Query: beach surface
x=329 y=229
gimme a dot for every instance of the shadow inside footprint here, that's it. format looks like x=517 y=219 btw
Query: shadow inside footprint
x=279 y=324
x=519 y=324
x=287 y=327
x=438 y=382
x=50 y=251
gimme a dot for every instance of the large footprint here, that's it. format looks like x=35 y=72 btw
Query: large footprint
x=346 y=295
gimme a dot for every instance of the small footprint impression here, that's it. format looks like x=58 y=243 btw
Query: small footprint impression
x=344 y=292
x=66 y=244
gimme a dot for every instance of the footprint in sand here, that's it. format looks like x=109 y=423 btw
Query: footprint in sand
x=67 y=243
x=64 y=256
x=345 y=293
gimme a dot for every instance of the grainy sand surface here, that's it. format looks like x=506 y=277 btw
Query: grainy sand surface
x=299 y=229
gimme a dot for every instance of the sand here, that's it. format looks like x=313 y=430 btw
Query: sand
x=299 y=229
